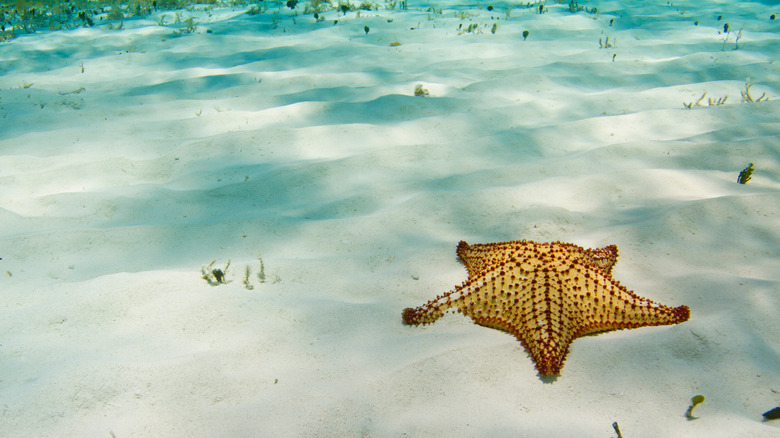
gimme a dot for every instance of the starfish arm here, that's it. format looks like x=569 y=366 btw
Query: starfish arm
x=652 y=314
x=434 y=309
x=605 y=258
x=476 y=258
x=611 y=306
x=480 y=257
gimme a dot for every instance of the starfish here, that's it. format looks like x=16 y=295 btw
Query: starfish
x=547 y=295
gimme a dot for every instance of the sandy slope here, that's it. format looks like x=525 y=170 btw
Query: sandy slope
x=302 y=141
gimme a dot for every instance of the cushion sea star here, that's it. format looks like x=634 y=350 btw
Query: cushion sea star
x=547 y=295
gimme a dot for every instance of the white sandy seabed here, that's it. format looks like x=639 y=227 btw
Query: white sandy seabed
x=131 y=158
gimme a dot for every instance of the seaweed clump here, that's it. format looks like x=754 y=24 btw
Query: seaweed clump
x=746 y=174
x=420 y=91
x=696 y=400
x=214 y=276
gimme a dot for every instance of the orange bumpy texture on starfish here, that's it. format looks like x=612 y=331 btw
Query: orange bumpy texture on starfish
x=547 y=295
